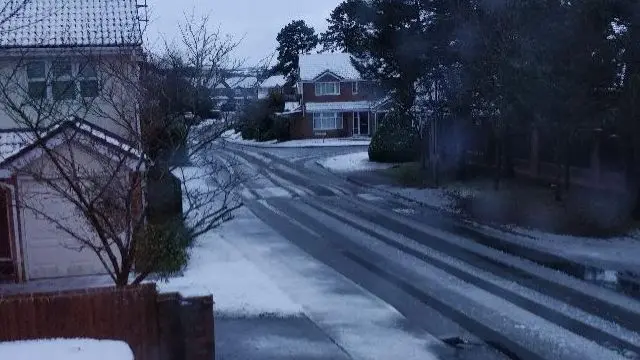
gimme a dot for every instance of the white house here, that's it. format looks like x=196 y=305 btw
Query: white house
x=67 y=67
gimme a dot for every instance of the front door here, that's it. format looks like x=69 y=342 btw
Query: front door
x=360 y=123
x=364 y=123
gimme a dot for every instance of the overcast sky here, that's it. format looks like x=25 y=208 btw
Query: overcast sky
x=256 y=21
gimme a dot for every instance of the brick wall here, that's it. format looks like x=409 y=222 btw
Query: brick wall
x=156 y=327
x=346 y=93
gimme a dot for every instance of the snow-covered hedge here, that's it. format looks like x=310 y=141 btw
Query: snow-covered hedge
x=395 y=141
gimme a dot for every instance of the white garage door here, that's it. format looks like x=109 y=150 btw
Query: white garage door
x=51 y=252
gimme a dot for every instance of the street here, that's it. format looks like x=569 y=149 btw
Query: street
x=475 y=297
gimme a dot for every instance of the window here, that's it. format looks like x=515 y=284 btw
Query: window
x=88 y=79
x=37 y=82
x=63 y=86
x=327 y=121
x=354 y=87
x=327 y=88
x=62 y=80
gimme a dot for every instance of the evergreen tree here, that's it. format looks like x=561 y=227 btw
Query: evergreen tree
x=294 y=39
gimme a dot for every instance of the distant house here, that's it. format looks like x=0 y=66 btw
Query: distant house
x=236 y=91
x=335 y=101
x=59 y=51
x=273 y=84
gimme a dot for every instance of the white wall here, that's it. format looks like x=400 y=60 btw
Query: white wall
x=115 y=109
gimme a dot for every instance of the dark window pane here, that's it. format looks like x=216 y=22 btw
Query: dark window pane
x=89 y=88
x=88 y=71
x=35 y=70
x=64 y=90
x=37 y=89
x=61 y=68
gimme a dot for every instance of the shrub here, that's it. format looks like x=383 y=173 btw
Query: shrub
x=396 y=141
x=258 y=120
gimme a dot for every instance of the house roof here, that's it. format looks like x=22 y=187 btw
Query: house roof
x=71 y=23
x=243 y=82
x=313 y=65
x=274 y=81
x=15 y=144
x=338 y=106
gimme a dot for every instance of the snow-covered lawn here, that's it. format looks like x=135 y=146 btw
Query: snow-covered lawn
x=234 y=137
x=357 y=161
x=65 y=349
x=619 y=252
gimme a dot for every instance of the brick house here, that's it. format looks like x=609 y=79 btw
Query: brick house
x=335 y=101
x=58 y=52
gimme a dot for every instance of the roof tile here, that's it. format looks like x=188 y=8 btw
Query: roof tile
x=62 y=23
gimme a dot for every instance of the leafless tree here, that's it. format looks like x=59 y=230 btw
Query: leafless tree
x=10 y=9
x=91 y=123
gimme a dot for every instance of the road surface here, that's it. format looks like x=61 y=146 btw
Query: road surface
x=465 y=289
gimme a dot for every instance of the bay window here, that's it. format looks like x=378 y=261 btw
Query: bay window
x=327 y=121
x=327 y=88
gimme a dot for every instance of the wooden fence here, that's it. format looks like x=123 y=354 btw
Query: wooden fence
x=148 y=322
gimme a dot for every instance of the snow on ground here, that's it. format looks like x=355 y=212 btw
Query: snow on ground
x=234 y=137
x=438 y=198
x=619 y=253
x=362 y=324
x=239 y=288
x=66 y=349
x=357 y=161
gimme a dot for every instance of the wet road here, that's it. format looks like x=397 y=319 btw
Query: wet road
x=471 y=291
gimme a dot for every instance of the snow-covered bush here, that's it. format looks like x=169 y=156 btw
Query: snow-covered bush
x=395 y=141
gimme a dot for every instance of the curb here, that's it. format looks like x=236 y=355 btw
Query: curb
x=291 y=147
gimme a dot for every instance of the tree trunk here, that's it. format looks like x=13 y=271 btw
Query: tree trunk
x=509 y=167
x=497 y=174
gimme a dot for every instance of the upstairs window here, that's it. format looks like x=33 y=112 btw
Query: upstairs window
x=62 y=80
x=88 y=81
x=63 y=86
x=354 y=87
x=327 y=88
x=37 y=80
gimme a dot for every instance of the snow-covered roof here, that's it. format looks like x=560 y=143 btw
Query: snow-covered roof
x=14 y=144
x=291 y=105
x=313 y=65
x=276 y=80
x=243 y=82
x=66 y=23
x=13 y=141
x=338 y=106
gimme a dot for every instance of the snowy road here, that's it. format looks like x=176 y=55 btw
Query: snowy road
x=425 y=280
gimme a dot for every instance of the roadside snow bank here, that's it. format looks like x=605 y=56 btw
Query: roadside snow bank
x=358 y=161
x=234 y=137
x=66 y=349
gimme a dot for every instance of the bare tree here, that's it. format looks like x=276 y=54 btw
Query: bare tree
x=10 y=9
x=89 y=126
